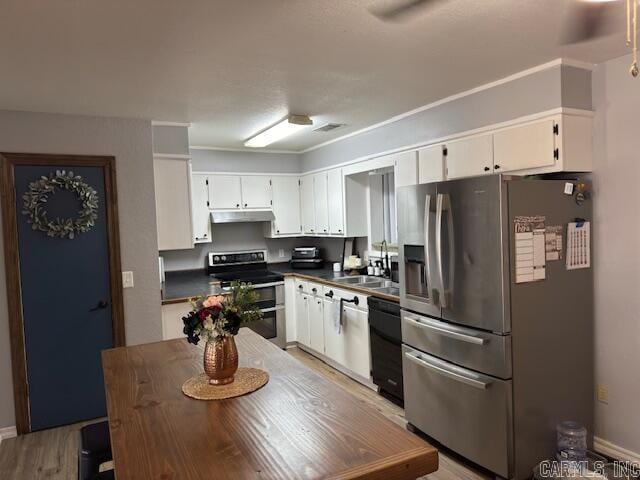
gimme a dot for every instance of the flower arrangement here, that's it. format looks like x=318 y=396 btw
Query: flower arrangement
x=219 y=316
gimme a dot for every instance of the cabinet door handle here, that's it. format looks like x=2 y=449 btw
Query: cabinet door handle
x=237 y=204
x=314 y=290
x=245 y=204
x=496 y=167
x=330 y=294
x=486 y=169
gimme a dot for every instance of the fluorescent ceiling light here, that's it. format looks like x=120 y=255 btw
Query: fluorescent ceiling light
x=288 y=126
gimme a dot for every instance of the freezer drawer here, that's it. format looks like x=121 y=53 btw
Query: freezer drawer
x=468 y=412
x=481 y=351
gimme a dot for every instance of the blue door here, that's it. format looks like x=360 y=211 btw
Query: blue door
x=66 y=301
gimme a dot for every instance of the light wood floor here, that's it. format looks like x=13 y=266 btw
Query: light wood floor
x=52 y=454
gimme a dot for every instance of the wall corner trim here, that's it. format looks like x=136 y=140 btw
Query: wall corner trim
x=7 y=433
x=612 y=450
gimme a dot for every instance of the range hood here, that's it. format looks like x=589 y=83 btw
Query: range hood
x=242 y=216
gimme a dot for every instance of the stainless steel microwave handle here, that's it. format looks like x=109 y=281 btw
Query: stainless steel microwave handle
x=442 y=329
x=447 y=373
x=442 y=300
x=427 y=256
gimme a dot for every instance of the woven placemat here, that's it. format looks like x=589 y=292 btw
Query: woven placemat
x=246 y=380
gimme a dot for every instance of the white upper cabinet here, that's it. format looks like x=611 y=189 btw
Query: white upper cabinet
x=225 y=192
x=321 y=202
x=308 y=204
x=256 y=191
x=431 y=164
x=405 y=168
x=200 y=208
x=286 y=206
x=470 y=156
x=172 y=179
x=525 y=146
x=336 y=201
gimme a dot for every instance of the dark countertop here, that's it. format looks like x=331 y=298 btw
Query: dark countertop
x=180 y=286
x=183 y=285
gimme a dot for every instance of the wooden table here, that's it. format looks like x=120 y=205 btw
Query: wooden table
x=298 y=426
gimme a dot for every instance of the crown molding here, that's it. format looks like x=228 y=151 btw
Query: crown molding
x=245 y=150
x=545 y=66
x=158 y=123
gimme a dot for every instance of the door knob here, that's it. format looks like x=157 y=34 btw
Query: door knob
x=101 y=306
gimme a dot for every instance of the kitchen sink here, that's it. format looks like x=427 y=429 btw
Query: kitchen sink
x=388 y=290
x=356 y=279
x=376 y=283
x=372 y=283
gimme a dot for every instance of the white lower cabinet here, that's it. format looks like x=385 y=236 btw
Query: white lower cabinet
x=302 y=318
x=316 y=323
x=318 y=326
x=357 y=350
x=172 y=324
x=334 y=340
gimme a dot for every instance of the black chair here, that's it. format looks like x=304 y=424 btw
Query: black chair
x=95 y=449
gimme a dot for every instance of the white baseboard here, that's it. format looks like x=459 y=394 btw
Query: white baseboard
x=7 y=432
x=614 y=451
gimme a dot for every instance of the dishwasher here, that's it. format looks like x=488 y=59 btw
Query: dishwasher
x=385 y=335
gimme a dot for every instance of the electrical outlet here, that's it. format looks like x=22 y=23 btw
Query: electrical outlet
x=127 y=279
x=281 y=253
x=602 y=393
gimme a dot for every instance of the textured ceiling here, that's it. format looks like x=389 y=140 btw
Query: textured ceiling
x=233 y=67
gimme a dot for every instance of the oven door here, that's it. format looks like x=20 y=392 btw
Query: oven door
x=269 y=294
x=271 y=302
x=271 y=326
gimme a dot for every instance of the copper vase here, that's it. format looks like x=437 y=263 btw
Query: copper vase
x=221 y=360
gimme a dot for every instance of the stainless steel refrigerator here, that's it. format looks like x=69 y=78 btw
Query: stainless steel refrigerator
x=497 y=347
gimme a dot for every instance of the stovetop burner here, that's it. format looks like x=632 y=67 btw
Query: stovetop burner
x=250 y=267
x=255 y=277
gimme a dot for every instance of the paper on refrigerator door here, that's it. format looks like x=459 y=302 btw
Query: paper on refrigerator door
x=553 y=242
x=530 y=248
x=578 y=245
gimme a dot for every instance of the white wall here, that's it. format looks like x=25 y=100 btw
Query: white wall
x=616 y=98
x=245 y=161
x=130 y=142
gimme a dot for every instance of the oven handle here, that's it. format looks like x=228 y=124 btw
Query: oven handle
x=267 y=285
x=447 y=373
x=272 y=309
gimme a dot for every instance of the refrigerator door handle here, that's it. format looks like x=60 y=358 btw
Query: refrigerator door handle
x=442 y=370
x=442 y=300
x=427 y=257
x=448 y=289
x=427 y=324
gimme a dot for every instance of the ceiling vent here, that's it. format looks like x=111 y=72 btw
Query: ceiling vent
x=328 y=127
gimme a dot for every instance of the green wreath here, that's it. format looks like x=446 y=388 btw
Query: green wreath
x=36 y=197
